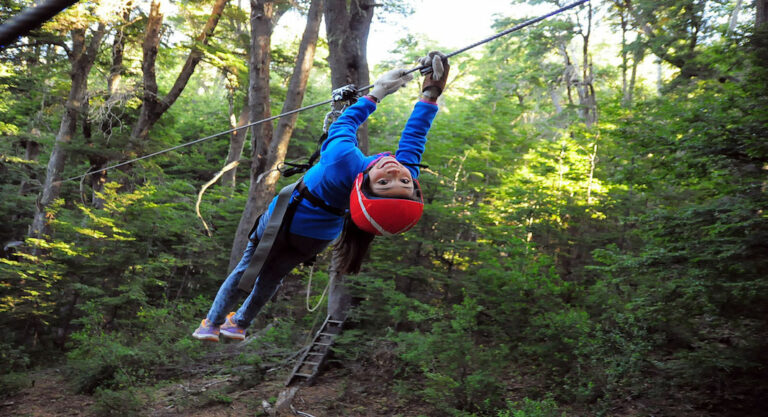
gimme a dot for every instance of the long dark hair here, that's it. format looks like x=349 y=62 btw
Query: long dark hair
x=352 y=246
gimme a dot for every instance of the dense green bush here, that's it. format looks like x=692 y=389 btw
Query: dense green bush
x=128 y=402
x=460 y=373
x=531 y=408
x=157 y=343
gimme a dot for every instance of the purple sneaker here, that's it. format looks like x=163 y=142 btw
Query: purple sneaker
x=207 y=331
x=231 y=330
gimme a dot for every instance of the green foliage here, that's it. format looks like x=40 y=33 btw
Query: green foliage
x=126 y=402
x=694 y=280
x=152 y=345
x=13 y=382
x=531 y=408
x=576 y=268
x=460 y=373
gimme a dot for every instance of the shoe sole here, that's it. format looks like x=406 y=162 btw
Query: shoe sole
x=206 y=338
x=235 y=336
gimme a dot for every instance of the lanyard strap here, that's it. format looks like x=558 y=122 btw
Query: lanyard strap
x=267 y=238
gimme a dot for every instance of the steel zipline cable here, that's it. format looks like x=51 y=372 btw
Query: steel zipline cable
x=422 y=68
x=198 y=140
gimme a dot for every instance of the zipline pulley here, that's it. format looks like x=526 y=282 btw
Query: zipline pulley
x=342 y=98
x=347 y=93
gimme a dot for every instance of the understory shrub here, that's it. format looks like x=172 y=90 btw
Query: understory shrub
x=126 y=402
x=156 y=342
x=459 y=375
x=531 y=408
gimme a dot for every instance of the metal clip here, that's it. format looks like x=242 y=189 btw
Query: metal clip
x=346 y=93
x=331 y=117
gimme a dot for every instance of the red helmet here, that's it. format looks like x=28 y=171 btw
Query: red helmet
x=383 y=216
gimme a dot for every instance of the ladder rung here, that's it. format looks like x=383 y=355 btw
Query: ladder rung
x=316 y=353
x=327 y=334
x=304 y=375
x=335 y=321
x=311 y=363
x=322 y=344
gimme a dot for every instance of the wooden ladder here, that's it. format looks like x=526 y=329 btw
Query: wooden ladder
x=314 y=355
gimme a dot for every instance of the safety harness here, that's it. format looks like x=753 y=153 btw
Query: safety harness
x=287 y=202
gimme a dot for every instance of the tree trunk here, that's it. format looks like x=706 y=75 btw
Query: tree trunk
x=347 y=23
x=624 y=59
x=31 y=152
x=118 y=48
x=236 y=143
x=339 y=298
x=149 y=101
x=98 y=176
x=659 y=76
x=662 y=43
x=153 y=107
x=761 y=13
x=555 y=96
x=268 y=154
x=585 y=88
x=592 y=164
x=82 y=57
x=261 y=134
x=569 y=72
x=637 y=56
x=237 y=139
x=734 y=17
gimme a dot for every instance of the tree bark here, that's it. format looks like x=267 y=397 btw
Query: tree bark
x=624 y=54
x=264 y=174
x=586 y=88
x=734 y=17
x=637 y=56
x=569 y=72
x=347 y=23
x=339 y=298
x=82 y=57
x=236 y=143
x=98 y=161
x=31 y=152
x=258 y=92
x=149 y=77
x=555 y=96
x=761 y=13
x=153 y=107
x=118 y=48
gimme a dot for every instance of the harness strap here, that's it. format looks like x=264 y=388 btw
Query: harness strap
x=282 y=215
x=317 y=201
x=267 y=238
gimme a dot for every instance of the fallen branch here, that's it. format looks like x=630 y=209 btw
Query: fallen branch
x=205 y=187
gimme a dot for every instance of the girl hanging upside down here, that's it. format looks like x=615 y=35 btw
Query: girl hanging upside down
x=380 y=191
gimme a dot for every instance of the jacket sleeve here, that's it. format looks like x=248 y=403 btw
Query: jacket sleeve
x=340 y=158
x=414 y=137
x=343 y=132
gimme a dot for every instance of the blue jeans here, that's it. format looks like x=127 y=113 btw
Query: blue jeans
x=288 y=251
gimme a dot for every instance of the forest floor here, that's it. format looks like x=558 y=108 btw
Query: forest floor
x=337 y=392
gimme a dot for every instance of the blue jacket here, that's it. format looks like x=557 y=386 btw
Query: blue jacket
x=341 y=160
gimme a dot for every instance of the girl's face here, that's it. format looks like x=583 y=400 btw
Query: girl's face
x=389 y=178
